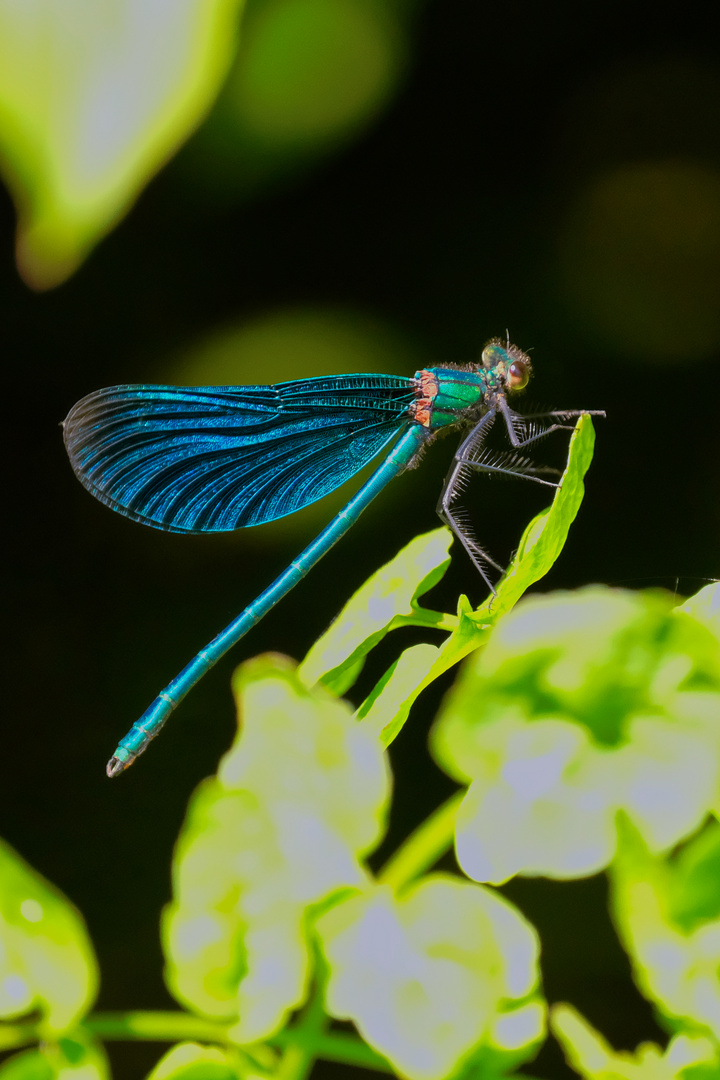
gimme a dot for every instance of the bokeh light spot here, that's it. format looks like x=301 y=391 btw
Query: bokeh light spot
x=640 y=259
x=309 y=69
x=293 y=343
x=31 y=910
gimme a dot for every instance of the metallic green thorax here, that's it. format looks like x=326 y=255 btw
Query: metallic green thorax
x=445 y=394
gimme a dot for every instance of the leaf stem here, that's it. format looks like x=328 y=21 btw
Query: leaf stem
x=423 y=847
x=307 y=1040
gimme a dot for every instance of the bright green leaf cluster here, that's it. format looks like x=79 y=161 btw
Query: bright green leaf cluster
x=269 y=867
x=300 y=797
x=582 y=705
x=584 y=735
x=389 y=600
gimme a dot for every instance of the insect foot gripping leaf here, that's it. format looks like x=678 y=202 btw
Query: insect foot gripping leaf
x=430 y=975
x=582 y=705
x=300 y=797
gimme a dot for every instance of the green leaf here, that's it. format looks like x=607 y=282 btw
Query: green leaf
x=93 y=100
x=385 y=602
x=28 y=1065
x=589 y=1054
x=540 y=546
x=667 y=912
x=580 y=705
x=72 y=1057
x=392 y=696
x=46 y=958
x=429 y=975
x=545 y=536
x=705 y=607
x=298 y=800
x=191 y=1061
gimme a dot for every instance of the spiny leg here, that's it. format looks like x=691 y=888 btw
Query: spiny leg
x=455 y=482
x=471 y=455
x=517 y=424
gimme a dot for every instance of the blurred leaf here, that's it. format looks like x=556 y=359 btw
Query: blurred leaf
x=426 y=975
x=588 y=1053
x=394 y=694
x=639 y=256
x=311 y=75
x=386 y=601
x=694 y=885
x=540 y=546
x=46 y=958
x=705 y=606
x=298 y=799
x=73 y=1057
x=667 y=912
x=310 y=69
x=283 y=343
x=582 y=704
x=191 y=1061
x=93 y=100
x=27 y=1065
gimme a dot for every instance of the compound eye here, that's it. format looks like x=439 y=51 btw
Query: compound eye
x=518 y=375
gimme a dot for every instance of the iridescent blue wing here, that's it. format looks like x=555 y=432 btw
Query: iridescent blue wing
x=211 y=459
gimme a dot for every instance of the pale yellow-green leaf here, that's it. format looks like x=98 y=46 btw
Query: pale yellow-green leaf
x=386 y=601
x=301 y=796
x=590 y=1055
x=425 y=975
x=192 y=1061
x=580 y=705
x=667 y=912
x=95 y=95
x=46 y=958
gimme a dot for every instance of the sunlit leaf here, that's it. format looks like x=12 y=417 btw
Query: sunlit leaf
x=298 y=800
x=667 y=911
x=386 y=601
x=590 y=1055
x=94 y=97
x=425 y=976
x=46 y=959
x=540 y=546
x=191 y=1061
x=580 y=705
x=72 y=1057
x=705 y=606
x=394 y=694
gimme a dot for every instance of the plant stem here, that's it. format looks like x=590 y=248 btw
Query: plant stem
x=424 y=847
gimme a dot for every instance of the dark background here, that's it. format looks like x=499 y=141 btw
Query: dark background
x=548 y=168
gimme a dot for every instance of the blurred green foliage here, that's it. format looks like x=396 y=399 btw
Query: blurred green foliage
x=583 y=731
x=93 y=99
x=583 y=735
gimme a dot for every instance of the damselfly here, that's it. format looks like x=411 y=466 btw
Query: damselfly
x=211 y=459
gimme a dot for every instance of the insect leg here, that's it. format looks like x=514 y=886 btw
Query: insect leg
x=453 y=486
